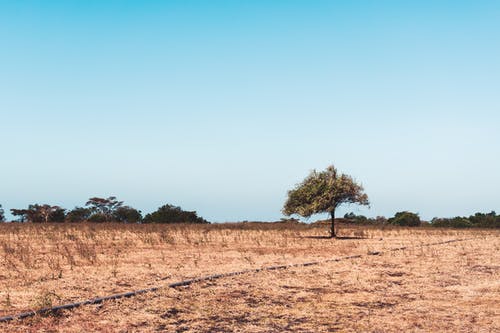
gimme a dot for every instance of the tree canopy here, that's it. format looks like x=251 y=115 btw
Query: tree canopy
x=323 y=192
x=40 y=213
x=78 y=214
x=103 y=209
x=407 y=219
x=127 y=214
x=173 y=214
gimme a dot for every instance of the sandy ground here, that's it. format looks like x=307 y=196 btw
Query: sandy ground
x=451 y=287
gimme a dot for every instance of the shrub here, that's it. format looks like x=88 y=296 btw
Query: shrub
x=406 y=219
x=58 y=215
x=173 y=214
x=78 y=214
x=127 y=214
x=98 y=218
x=490 y=220
x=455 y=222
x=361 y=219
x=358 y=219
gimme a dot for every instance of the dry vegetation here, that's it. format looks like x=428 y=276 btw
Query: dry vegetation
x=452 y=287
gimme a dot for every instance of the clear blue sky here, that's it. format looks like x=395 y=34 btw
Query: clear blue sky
x=222 y=106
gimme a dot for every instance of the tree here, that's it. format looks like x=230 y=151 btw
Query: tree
x=46 y=213
x=103 y=208
x=58 y=215
x=78 y=214
x=359 y=219
x=127 y=214
x=323 y=192
x=173 y=214
x=455 y=222
x=40 y=213
x=22 y=214
x=481 y=220
x=406 y=219
x=2 y=216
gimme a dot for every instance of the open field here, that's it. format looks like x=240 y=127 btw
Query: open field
x=451 y=287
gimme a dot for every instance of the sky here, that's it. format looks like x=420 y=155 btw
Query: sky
x=223 y=106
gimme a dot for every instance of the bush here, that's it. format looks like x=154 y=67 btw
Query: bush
x=358 y=219
x=173 y=214
x=98 y=218
x=455 y=222
x=58 y=215
x=406 y=219
x=363 y=220
x=78 y=214
x=490 y=220
x=127 y=214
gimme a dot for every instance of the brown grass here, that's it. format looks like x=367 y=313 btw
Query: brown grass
x=452 y=287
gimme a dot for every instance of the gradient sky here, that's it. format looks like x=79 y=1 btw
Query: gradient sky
x=222 y=106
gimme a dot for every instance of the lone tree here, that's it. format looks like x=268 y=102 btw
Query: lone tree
x=2 y=216
x=323 y=192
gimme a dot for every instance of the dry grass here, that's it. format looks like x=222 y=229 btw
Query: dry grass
x=452 y=287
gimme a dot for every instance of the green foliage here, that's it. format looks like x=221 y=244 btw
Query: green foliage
x=406 y=219
x=455 y=222
x=478 y=220
x=36 y=214
x=99 y=218
x=323 y=192
x=21 y=214
x=490 y=220
x=173 y=214
x=78 y=214
x=103 y=209
x=40 y=213
x=127 y=214
x=57 y=215
x=379 y=220
x=358 y=219
x=2 y=215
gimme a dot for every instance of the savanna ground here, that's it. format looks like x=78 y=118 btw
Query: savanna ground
x=453 y=287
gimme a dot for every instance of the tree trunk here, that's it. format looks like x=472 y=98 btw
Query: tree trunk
x=332 y=230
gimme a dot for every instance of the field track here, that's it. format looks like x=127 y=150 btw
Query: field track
x=98 y=300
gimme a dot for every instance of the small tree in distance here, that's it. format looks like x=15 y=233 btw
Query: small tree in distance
x=78 y=214
x=103 y=209
x=48 y=213
x=323 y=192
x=127 y=214
x=173 y=214
x=21 y=214
x=2 y=216
x=40 y=214
x=405 y=219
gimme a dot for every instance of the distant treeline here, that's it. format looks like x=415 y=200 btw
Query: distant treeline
x=409 y=219
x=101 y=210
x=111 y=210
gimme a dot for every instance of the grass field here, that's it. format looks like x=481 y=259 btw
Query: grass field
x=452 y=287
